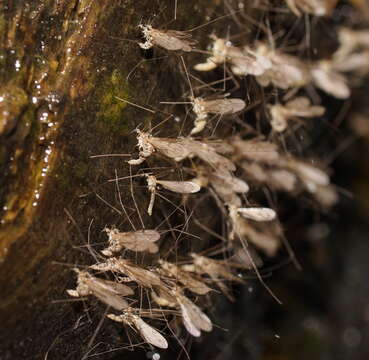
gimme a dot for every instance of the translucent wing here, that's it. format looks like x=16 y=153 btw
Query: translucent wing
x=331 y=82
x=173 y=148
x=300 y=106
x=151 y=335
x=112 y=286
x=194 y=316
x=223 y=106
x=172 y=40
x=257 y=214
x=182 y=187
x=187 y=322
x=247 y=62
x=106 y=294
x=141 y=240
x=206 y=153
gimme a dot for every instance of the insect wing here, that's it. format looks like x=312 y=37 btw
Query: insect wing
x=223 y=106
x=257 y=214
x=150 y=335
x=196 y=316
x=172 y=40
x=172 y=148
x=117 y=288
x=182 y=187
x=107 y=295
x=143 y=276
x=187 y=322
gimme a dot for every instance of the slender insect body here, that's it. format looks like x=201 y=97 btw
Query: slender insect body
x=256 y=150
x=179 y=149
x=168 y=39
x=141 y=240
x=181 y=187
x=137 y=274
x=148 y=333
x=242 y=61
x=298 y=107
x=191 y=283
x=203 y=107
x=311 y=175
x=329 y=80
x=109 y=292
x=287 y=71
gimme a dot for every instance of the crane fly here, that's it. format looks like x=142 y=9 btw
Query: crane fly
x=181 y=187
x=109 y=292
x=141 y=240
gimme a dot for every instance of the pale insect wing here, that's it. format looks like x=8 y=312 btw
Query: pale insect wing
x=223 y=106
x=246 y=64
x=172 y=40
x=258 y=214
x=187 y=322
x=108 y=297
x=143 y=275
x=183 y=187
x=141 y=240
x=208 y=154
x=332 y=83
x=117 y=288
x=198 y=318
x=298 y=103
x=238 y=185
x=150 y=335
x=173 y=149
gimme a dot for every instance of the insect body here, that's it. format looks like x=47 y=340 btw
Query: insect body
x=141 y=240
x=141 y=276
x=179 y=149
x=109 y=292
x=203 y=107
x=287 y=71
x=329 y=80
x=298 y=107
x=194 y=285
x=242 y=61
x=167 y=39
x=181 y=187
x=148 y=333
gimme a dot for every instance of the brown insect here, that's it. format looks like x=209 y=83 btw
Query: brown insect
x=137 y=274
x=242 y=61
x=203 y=107
x=181 y=187
x=297 y=108
x=109 y=292
x=326 y=78
x=179 y=149
x=312 y=176
x=287 y=71
x=256 y=150
x=141 y=240
x=167 y=39
x=194 y=320
x=253 y=213
x=191 y=283
x=148 y=333
x=315 y=7
x=216 y=269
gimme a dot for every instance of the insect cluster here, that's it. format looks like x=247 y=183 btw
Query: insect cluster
x=227 y=168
